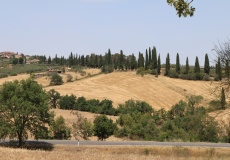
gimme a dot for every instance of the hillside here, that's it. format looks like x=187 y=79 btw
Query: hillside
x=161 y=92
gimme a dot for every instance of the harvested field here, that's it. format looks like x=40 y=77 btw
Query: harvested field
x=161 y=92
x=116 y=153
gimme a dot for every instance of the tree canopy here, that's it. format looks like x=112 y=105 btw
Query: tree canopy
x=24 y=109
x=182 y=7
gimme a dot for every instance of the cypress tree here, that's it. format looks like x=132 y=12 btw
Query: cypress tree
x=206 y=64
x=121 y=60
x=109 y=60
x=150 y=56
x=187 y=66
x=222 y=99
x=146 y=59
x=49 y=60
x=159 y=65
x=167 y=66
x=100 y=61
x=197 y=66
x=177 y=63
x=154 y=58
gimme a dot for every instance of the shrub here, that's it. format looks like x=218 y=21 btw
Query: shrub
x=69 y=78
x=56 y=79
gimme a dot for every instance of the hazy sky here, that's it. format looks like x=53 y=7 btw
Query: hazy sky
x=49 y=27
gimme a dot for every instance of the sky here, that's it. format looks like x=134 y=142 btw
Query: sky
x=50 y=27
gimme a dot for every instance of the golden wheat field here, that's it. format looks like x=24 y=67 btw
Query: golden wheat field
x=161 y=92
x=116 y=153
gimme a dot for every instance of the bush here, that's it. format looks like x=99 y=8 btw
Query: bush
x=173 y=74
x=60 y=130
x=69 y=78
x=107 y=69
x=67 y=102
x=56 y=79
x=206 y=77
x=3 y=75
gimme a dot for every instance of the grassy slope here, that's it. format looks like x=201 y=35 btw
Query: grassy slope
x=161 y=92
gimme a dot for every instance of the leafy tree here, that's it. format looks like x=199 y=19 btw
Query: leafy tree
x=54 y=96
x=133 y=62
x=141 y=60
x=187 y=66
x=177 y=63
x=59 y=129
x=67 y=102
x=24 y=109
x=182 y=7
x=103 y=127
x=197 y=66
x=167 y=66
x=109 y=58
x=159 y=65
x=222 y=99
x=206 y=64
x=56 y=79
x=14 y=61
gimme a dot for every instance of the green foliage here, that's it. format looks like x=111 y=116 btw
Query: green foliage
x=24 y=109
x=54 y=96
x=95 y=106
x=177 y=64
x=182 y=7
x=141 y=71
x=167 y=66
x=132 y=106
x=56 y=79
x=197 y=66
x=67 y=102
x=107 y=69
x=59 y=129
x=103 y=127
x=206 y=64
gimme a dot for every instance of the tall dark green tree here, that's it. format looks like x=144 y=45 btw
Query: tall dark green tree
x=222 y=99
x=227 y=70
x=159 y=65
x=187 y=66
x=121 y=60
x=177 y=63
x=150 y=56
x=154 y=58
x=146 y=60
x=206 y=64
x=49 y=60
x=109 y=58
x=133 y=62
x=197 y=66
x=141 y=60
x=24 y=110
x=167 y=65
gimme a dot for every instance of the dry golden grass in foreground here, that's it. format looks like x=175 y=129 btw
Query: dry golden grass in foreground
x=116 y=153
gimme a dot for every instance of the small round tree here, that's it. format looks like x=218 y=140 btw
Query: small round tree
x=103 y=127
x=56 y=79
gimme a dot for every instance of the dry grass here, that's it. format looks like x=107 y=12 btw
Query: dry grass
x=116 y=153
x=161 y=92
